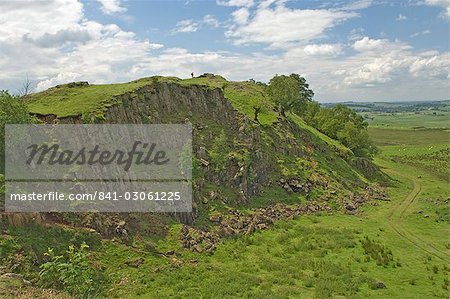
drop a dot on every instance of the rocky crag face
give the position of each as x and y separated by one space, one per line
238 161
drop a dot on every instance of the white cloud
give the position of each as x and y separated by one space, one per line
356 33
239 3
384 61
59 79
37 18
59 38
401 18
398 67
435 66
377 71
185 26
111 7
445 4
241 16
424 32
368 44
361 4
272 23
211 21
54 42
324 49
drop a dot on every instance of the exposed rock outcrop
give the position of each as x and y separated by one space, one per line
237 223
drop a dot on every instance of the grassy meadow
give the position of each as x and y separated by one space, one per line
424 119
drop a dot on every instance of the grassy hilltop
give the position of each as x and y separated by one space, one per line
286 213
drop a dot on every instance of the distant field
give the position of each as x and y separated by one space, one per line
414 114
396 136
409 120
426 149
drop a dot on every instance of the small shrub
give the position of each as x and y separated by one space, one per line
435 269
445 284
309 282
149 246
315 220
377 252
219 151
71 273
249 240
283 237
376 285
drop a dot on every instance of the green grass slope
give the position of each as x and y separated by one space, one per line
64 101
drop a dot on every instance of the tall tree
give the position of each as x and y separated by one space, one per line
290 93
344 124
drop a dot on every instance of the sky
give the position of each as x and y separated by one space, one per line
360 50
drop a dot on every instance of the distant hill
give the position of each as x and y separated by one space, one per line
395 107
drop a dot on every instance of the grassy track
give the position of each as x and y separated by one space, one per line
395 219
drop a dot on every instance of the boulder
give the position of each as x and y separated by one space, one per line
380 285
135 263
216 218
